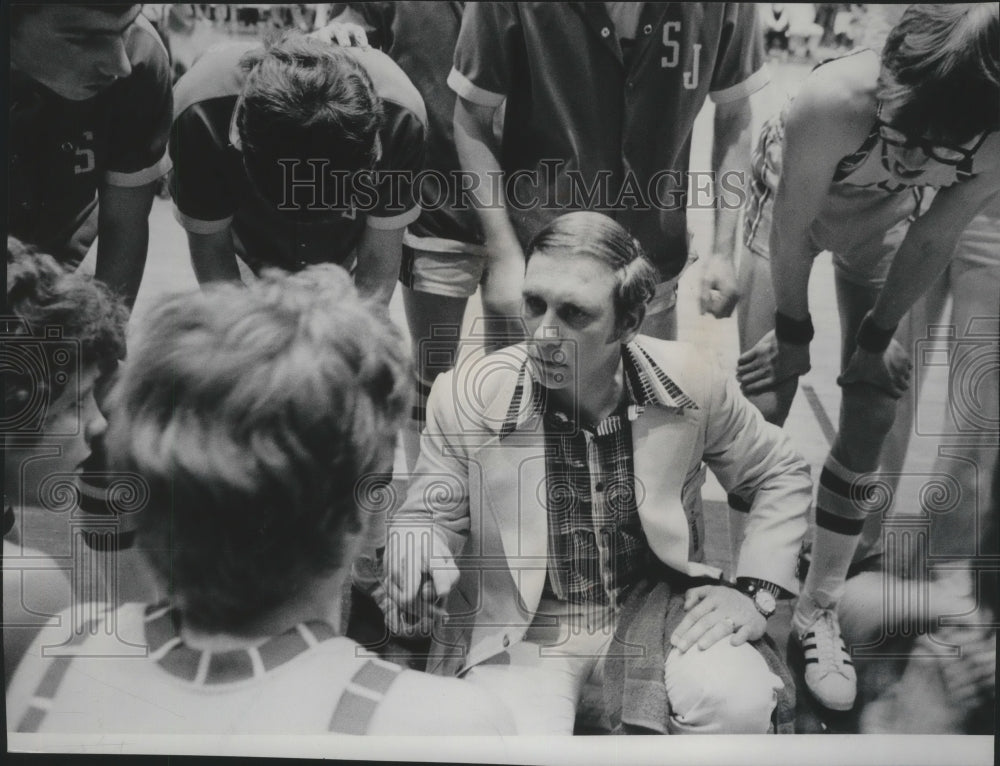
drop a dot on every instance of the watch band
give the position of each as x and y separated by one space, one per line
750 585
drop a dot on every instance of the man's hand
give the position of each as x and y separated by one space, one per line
888 371
719 292
714 612
416 579
503 280
770 362
344 33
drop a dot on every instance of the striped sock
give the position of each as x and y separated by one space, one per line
840 517
92 486
418 413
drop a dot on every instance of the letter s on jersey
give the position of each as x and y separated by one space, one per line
671 30
85 161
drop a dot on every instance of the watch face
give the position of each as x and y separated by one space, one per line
765 602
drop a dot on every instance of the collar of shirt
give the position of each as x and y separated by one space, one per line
646 385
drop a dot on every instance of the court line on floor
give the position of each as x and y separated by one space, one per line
825 424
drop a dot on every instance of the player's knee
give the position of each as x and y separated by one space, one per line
773 405
724 689
872 409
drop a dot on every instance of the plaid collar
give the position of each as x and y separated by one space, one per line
646 385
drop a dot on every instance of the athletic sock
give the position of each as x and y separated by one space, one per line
840 519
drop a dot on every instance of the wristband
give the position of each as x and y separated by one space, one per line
871 337
798 332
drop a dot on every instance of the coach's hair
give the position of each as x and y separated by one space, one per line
305 100
941 70
259 417
596 235
52 312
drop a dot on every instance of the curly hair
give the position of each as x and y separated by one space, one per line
305 101
50 310
941 70
255 414
600 237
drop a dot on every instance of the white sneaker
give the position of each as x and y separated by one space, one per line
829 671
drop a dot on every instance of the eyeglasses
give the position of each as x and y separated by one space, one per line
946 154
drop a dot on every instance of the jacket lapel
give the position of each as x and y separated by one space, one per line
663 440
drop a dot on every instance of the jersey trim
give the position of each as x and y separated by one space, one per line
442 245
389 223
751 85
197 226
140 177
468 90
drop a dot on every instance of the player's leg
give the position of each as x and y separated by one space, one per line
973 412
755 317
866 415
436 290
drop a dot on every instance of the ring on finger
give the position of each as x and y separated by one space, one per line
732 624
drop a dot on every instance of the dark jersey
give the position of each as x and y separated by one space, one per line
211 189
421 37
595 128
62 151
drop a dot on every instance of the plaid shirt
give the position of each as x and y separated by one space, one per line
597 547
596 544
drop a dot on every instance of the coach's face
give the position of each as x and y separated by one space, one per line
568 309
73 51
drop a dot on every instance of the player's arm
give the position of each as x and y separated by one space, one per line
730 154
488 53
923 255
123 236
930 243
825 123
478 150
142 105
378 256
213 256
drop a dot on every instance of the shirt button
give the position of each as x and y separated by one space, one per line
506 641
66 147
599 486
647 29
605 32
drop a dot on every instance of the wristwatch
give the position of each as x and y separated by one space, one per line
764 594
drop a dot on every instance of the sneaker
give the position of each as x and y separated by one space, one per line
829 671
